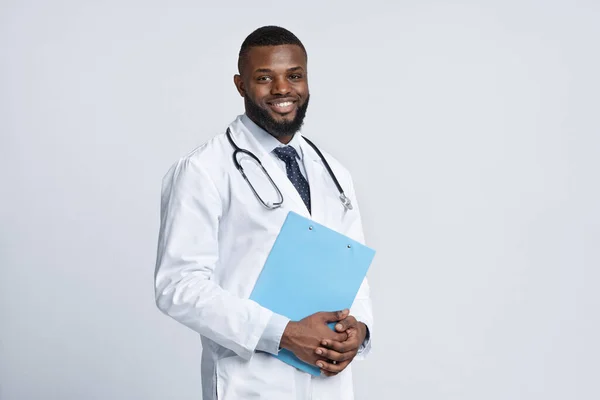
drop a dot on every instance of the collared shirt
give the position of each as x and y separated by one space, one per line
269 143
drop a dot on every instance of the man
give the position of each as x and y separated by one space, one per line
216 234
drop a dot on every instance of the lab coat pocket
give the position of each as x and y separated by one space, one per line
263 377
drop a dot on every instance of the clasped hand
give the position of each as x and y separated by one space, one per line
312 341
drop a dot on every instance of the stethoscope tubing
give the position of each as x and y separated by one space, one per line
343 198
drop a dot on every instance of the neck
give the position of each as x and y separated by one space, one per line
283 139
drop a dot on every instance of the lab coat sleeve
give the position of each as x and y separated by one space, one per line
271 338
191 208
362 307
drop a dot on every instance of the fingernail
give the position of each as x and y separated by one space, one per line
324 343
319 351
339 327
320 365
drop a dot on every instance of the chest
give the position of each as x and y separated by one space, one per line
251 197
248 228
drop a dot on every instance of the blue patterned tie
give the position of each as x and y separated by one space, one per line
288 155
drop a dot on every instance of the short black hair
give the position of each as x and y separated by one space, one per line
267 36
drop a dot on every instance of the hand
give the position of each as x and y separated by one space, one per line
342 353
303 337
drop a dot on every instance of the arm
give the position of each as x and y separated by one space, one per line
362 311
362 307
187 254
272 337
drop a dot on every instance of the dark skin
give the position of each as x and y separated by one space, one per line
275 78
275 74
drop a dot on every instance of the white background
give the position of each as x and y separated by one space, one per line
472 132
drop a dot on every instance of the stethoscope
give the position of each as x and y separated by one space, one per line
269 205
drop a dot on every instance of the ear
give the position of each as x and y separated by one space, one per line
239 85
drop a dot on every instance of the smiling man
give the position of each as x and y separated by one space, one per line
276 105
218 226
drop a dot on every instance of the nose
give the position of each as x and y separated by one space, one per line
281 86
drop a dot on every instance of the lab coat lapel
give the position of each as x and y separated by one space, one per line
291 198
316 181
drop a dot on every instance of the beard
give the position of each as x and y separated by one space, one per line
262 118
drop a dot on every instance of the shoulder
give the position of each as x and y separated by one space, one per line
202 161
208 153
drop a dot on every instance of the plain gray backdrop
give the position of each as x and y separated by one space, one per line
471 129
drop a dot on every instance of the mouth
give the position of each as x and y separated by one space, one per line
282 106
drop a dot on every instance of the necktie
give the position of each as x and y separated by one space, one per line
288 155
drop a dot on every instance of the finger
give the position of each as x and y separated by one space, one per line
348 322
334 316
342 346
334 355
338 337
330 368
328 374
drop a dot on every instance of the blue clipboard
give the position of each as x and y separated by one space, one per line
310 268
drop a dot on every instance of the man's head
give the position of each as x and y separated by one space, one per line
273 80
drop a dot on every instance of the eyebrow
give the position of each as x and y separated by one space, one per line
266 70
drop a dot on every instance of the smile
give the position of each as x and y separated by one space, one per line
283 104
282 107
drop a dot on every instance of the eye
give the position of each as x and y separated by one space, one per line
296 76
264 78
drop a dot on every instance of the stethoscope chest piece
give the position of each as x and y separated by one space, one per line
346 202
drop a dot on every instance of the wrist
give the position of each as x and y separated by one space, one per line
364 331
288 333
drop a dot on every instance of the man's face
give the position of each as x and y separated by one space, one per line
274 85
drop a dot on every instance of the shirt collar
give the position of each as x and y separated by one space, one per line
267 141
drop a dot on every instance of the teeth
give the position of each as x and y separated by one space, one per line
284 104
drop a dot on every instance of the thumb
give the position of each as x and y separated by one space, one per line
335 316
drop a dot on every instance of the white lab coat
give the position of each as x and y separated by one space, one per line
214 239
